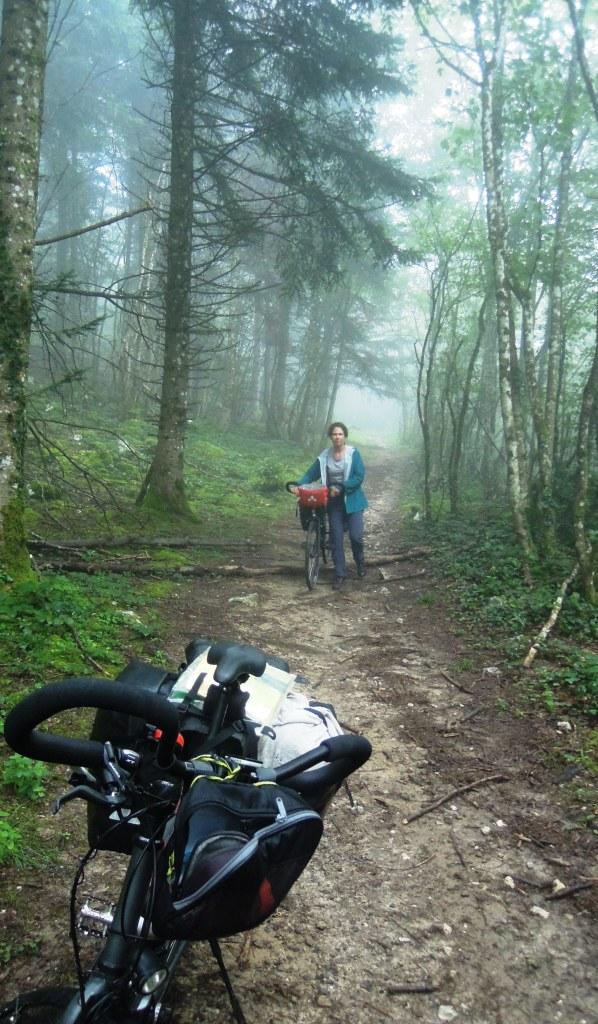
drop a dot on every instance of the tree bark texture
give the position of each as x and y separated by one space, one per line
588 413
164 485
22 67
492 151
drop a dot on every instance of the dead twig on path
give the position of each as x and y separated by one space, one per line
530 881
423 987
570 890
468 717
453 682
458 851
405 576
547 627
414 867
454 793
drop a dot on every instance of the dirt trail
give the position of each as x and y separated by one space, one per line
453 903
386 904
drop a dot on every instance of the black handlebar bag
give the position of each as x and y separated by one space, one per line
234 852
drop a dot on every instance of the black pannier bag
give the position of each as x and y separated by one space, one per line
234 852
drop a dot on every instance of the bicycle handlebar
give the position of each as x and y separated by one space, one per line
342 754
20 727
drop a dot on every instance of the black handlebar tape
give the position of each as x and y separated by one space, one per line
235 660
20 732
344 754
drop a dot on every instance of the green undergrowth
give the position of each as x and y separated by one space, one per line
481 566
234 482
79 624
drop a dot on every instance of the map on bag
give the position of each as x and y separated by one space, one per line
266 692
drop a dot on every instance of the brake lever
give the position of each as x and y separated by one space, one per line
93 796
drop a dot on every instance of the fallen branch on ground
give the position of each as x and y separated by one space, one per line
570 890
39 544
405 576
115 566
455 792
424 987
453 682
547 627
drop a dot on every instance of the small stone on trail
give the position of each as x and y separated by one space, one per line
564 726
486 830
509 881
491 670
540 912
446 1012
250 600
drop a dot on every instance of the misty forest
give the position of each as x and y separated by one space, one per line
225 224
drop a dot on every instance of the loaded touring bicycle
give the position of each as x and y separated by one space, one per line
180 774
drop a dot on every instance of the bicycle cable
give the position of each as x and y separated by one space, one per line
79 877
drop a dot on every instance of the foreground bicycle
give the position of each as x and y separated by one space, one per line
312 501
206 860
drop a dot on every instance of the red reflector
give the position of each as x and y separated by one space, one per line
266 899
157 735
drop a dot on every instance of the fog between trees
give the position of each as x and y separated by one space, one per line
240 211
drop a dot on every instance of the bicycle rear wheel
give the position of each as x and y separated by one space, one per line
312 553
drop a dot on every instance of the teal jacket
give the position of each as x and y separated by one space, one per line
355 499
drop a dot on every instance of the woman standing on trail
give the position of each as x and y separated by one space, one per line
341 468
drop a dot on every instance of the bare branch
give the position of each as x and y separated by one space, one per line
93 227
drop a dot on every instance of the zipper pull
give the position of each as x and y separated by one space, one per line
282 811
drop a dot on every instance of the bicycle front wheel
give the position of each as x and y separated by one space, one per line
42 1006
312 553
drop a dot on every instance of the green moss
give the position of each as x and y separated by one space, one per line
14 554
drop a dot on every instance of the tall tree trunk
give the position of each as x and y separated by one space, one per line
278 329
459 418
164 485
492 152
22 67
588 413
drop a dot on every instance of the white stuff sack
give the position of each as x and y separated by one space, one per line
300 725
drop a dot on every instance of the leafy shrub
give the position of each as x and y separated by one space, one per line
270 477
26 777
11 841
577 680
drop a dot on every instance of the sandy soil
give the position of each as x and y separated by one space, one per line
447 917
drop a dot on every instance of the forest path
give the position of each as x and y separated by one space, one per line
454 902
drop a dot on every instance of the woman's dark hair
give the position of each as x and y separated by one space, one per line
333 426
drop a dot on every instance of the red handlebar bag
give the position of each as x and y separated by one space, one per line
312 496
234 852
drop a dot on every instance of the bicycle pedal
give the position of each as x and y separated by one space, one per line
95 918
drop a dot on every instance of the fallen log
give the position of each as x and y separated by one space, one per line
554 614
39 544
121 565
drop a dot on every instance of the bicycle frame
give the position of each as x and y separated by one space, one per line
128 961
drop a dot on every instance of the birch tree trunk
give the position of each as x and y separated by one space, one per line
492 151
22 67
